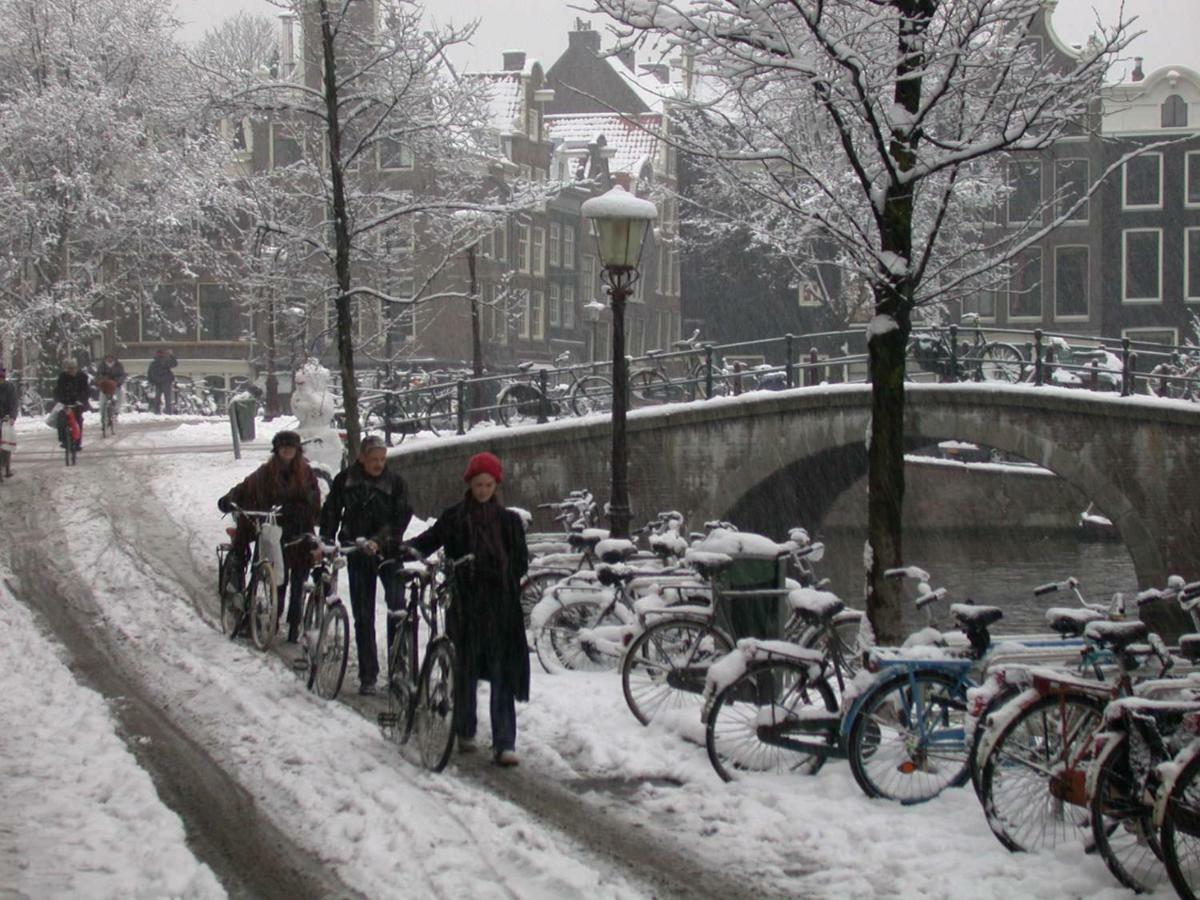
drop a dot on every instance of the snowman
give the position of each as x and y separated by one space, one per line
313 406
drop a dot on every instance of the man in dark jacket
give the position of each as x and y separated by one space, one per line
71 389
10 405
367 501
162 379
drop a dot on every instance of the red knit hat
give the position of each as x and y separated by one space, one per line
481 463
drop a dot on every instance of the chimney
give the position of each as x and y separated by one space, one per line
514 60
661 71
627 57
287 46
1138 74
583 37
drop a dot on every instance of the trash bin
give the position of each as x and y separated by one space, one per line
242 410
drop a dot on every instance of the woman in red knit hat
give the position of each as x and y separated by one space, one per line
485 620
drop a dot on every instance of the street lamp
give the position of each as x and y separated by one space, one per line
621 221
591 312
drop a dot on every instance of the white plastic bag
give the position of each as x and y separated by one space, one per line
8 436
271 539
52 416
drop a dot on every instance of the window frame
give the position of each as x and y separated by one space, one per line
1188 158
1041 284
537 315
568 306
537 251
403 167
1038 201
1163 111
1125 266
1125 169
554 305
1087 284
568 249
523 239
523 301
1083 214
554 246
1188 233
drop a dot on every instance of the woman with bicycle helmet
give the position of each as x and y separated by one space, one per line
485 620
285 480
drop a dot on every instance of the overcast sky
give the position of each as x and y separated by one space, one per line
540 26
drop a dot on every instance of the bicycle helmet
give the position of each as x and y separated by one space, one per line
285 439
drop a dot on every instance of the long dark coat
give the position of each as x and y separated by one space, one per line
301 502
481 601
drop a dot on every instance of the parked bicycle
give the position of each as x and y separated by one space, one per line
255 605
521 400
420 689
977 359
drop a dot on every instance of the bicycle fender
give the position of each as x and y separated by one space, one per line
1170 772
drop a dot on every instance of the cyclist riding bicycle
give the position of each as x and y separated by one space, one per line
110 379
71 389
287 481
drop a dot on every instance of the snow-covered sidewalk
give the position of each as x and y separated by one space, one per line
79 816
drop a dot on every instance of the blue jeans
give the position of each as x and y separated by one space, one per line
503 708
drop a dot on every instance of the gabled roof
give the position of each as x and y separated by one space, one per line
634 139
506 93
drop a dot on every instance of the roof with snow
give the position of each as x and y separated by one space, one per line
633 138
506 99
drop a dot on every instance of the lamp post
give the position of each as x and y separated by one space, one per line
591 312
621 221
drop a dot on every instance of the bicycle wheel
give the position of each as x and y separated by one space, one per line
558 643
752 725
264 611
1031 782
1000 362
974 762
518 403
907 742
402 685
591 394
843 634
331 654
663 670
534 588
434 716
1180 834
233 601
1123 820
652 386
442 415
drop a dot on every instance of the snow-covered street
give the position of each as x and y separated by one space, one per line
600 807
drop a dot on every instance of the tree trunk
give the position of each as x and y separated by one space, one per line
341 231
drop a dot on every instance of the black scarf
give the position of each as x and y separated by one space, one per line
487 538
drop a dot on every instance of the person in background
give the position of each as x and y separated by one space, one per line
110 379
485 620
162 379
288 481
10 406
369 501
72 388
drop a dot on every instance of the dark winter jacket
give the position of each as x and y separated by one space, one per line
10 403
366 507
160 373
485 614
116 372
301 504
72 389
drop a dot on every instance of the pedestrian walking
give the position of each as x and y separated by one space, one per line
162 379
367 500
10 406
285 480
484 620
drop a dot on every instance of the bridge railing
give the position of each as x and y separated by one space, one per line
537 393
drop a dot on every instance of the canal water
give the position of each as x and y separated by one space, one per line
996 567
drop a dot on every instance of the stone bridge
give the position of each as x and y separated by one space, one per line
1137 458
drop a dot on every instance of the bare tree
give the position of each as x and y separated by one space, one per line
243 43
877 126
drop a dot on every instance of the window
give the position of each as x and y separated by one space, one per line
1143 182
1141 265
523 248
1025 287
1192 179
523 314
501 238
1151 335
555 244
1025 191
555 312
1191 264
1071 182
285 149
662 276
171 313
983 304
1070 282
402 318
568 248
394 155
531 124
218 320
539 251
1174 112
636 338
591 278
675 287
537 317
568 304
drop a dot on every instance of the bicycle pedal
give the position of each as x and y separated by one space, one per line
300 665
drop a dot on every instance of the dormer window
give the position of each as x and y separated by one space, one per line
1174 112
